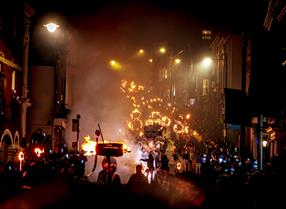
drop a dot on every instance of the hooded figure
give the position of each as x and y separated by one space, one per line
107 175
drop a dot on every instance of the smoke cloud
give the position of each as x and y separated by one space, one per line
95 95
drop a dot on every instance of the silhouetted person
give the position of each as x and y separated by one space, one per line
164 162
150 165
107 175
198 164
137 179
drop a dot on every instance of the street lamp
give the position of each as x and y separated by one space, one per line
115 65
177 61
52 27
60 53
141 51
162 50
207 62
59 40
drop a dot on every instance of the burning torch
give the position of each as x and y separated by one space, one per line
21 158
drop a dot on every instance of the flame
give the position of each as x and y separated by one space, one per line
149 122
21 156
129 124
88 146
38 151
145 111
166 121
126 149
135 114
179 166
188 116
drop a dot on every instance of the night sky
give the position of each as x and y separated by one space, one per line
166 20
122 27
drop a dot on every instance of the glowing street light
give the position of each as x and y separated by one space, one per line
51 27
112 62
141 51
162 50
115 65
264 143
177 61
207 62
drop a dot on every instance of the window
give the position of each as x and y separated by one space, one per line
206 34
214 86
205 87
165 74
13 80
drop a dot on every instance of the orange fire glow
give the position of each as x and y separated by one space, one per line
88 146
38 151
21 156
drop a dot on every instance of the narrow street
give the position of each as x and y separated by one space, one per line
177 193
142 104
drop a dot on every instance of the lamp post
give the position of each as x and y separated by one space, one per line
28 13
60 39
61 51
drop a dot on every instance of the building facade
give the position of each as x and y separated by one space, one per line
14 20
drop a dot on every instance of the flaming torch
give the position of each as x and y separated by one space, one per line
21 158
89 146
126 149
38 151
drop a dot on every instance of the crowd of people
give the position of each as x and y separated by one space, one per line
35 169
217 167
